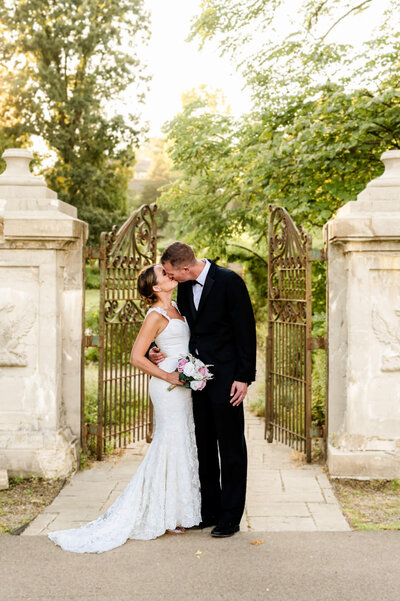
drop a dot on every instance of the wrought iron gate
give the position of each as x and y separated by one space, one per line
124 411
289 341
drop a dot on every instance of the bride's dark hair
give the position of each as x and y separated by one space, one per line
146 280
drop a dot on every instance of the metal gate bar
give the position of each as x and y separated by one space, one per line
288 356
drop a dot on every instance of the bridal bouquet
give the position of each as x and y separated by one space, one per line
193 372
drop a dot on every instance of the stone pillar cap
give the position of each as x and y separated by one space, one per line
22 152
21 191
17 172
376 213
391 176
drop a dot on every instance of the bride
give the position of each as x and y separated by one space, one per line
164 494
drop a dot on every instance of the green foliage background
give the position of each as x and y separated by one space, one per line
323 113
61 63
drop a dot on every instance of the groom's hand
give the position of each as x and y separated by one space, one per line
156 356
238 392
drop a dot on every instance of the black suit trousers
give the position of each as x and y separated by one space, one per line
222 454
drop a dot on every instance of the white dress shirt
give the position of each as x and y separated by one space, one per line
198 288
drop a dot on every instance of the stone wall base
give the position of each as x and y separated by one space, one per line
367 465
47 454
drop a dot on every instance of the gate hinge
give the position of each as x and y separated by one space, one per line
91 341
93 429
316 343
92 252
317 254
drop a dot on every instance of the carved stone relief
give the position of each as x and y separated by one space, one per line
388 333
15 324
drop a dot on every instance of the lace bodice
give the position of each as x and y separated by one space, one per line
174 339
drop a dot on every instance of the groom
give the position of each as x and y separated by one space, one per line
217 307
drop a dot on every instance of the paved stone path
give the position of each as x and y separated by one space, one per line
284 493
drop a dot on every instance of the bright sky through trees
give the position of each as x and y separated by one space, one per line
177 66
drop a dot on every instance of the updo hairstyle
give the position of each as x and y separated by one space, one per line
146 280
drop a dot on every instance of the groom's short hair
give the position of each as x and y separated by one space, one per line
178 254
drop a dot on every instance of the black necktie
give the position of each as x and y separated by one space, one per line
193 282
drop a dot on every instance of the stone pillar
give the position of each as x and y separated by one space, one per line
41 294
363 243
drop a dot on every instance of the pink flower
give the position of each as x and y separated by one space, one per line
181 364
203 371
197 385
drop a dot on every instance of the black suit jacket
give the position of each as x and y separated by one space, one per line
222 330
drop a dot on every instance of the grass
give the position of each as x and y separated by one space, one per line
318 392
24 500
92 298
91 379
369 504
92 274
257 405
257 390
92 321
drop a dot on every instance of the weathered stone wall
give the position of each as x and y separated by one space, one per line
364 330
41 288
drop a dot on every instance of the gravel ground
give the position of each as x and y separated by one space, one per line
369 504
24 500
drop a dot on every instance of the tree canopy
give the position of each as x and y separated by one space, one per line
310 144
323 112
66 64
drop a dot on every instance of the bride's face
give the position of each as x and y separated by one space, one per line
165 283
180 274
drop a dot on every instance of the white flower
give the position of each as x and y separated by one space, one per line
195 385
189 370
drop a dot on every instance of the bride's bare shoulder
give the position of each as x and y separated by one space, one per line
153 316
153 324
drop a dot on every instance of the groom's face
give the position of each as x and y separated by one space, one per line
180 274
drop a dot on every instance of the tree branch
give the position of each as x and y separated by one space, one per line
343 17
250 251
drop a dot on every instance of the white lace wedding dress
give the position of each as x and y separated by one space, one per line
165 491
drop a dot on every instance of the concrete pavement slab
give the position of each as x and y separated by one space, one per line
323 480
328 517
272 497
289 523
278 509
113 497
329 496
42 522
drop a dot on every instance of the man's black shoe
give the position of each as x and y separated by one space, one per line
205 524
224 530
